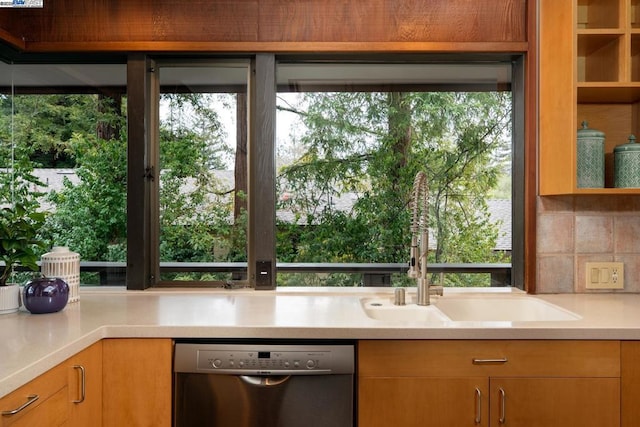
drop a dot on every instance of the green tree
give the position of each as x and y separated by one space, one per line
44 125
84 132
90 216
195 206
81 131
370 146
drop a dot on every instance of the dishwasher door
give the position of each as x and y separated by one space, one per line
238 401
263 386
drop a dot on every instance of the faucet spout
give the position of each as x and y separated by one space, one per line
420 237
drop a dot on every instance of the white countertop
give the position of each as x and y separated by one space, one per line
32 344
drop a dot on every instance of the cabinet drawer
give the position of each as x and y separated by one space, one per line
51 412
444 358
51 407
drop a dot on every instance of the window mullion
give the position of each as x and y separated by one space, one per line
142 153
261 251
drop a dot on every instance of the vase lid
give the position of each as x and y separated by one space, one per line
58 251
585 132
629 146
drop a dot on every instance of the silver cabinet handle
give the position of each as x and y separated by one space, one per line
502 406
476 361
83 383
478 419
30 399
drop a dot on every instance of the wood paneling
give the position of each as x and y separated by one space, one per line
83 25
329 21
456 20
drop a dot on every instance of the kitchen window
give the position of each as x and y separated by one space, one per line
352 135
196 217
202 172
275 220
63 140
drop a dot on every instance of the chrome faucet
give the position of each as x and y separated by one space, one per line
420 237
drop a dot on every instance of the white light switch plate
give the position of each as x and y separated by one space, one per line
605 275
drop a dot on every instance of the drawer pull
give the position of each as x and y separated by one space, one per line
489 361
503 410
30 399
83 384
478 418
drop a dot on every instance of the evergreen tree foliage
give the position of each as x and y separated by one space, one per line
365 146
369 146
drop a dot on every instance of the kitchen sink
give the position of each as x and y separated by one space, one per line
384 309
469 308
496 308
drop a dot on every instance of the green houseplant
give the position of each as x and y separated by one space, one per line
21 220
19 243
19 236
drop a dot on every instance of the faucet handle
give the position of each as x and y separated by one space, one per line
399 296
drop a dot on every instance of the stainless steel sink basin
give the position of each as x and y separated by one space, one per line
496 308
384 309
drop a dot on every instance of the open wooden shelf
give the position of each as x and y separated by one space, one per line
594 78
634 14
600 56
598 14
613 92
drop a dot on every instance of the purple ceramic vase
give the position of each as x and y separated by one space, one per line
45 295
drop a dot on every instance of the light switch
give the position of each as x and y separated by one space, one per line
604 275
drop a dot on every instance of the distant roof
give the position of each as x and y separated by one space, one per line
499 209
500 212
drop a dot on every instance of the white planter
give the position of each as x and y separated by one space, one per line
9 299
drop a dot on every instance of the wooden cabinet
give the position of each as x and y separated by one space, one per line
42 402
488 383
555 402
589 70
423 401
68 394
114 382
630 372
137 379
85 387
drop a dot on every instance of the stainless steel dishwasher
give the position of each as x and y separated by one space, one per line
264 384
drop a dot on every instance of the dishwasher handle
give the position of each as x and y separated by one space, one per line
265 380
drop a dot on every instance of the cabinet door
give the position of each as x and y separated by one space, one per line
51 412
85 387
423 401
557 119
42 402
555 402
137 375
630 359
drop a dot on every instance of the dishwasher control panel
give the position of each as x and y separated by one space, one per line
247 359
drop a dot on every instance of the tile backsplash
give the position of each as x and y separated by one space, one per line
573 230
